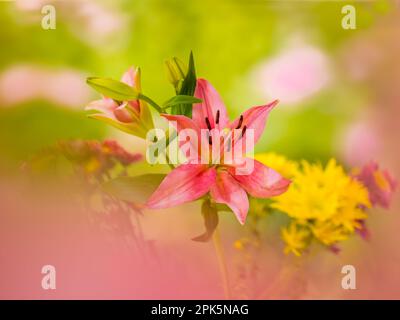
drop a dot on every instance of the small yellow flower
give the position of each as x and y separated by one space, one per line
381 181
92 165
239 245
245 243
296 237
328 233
279 163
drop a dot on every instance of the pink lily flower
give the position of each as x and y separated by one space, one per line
133 117
380 184
222 181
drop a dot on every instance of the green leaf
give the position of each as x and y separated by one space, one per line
210 215
187 89
135 189
113 89
180 99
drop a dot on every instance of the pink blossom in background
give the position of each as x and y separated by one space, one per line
363 59
92 20
30 5
294 75
381 184
360 143
23 83
100 21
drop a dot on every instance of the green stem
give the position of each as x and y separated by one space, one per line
167 142
168 161
222 263
151 102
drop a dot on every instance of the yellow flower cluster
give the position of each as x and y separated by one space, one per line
324 204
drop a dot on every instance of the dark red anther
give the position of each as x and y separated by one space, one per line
240 122
243 131
217 118
208 123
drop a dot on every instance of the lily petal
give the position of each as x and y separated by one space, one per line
130 77
185 183
123 114
106 106
134 128
118 117
182 122
211 107
254 119
227 190
262 181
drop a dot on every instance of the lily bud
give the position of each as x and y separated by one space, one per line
176 72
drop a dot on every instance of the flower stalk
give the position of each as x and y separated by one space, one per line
222 263
151 102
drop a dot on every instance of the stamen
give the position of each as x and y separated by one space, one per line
208 123
240 122
229 144
209 139
243 131
217 118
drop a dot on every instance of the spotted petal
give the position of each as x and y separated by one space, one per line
211 108
253 119
260 181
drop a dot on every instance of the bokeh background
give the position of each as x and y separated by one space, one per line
340 97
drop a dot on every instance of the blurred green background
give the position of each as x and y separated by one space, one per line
239 46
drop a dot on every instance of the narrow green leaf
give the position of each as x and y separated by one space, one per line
187 89
180 99
135 189
210 215
113 89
